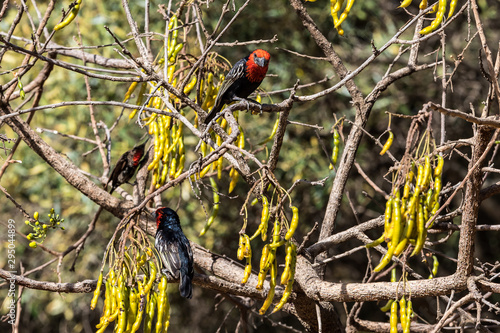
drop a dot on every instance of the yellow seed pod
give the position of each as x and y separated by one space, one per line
241 248
258 98
387 306
345 13
437 21
439 167
152 277
284 298
272 285
388 143
394 317
262 229
97 292
234 181
70 17
405 3
293 224
336 144
266 257
190 85
453 5
248 271
290 261
130 90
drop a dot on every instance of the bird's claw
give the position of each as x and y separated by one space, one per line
248 105
168 274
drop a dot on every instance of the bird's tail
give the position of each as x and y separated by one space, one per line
186 285
107 184
216 109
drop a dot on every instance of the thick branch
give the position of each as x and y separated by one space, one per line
320 290
362 113
490 191
343 236
85 286
472 201
378 327
491 121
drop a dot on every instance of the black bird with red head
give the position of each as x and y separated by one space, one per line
242 80
126 167
174 250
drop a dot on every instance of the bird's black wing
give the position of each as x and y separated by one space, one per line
113 179
237 72
187 272
169 254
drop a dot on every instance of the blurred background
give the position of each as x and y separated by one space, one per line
38 188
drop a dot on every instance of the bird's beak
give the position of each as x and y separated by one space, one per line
261 61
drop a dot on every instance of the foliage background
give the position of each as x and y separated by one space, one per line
38 187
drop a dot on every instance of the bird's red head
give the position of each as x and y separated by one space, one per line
138 153
166 215
137 156
159 217
257 64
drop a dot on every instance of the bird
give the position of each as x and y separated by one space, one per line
126 166
242 80
174 250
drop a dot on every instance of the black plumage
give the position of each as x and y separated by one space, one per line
174 250
242 80
126 167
